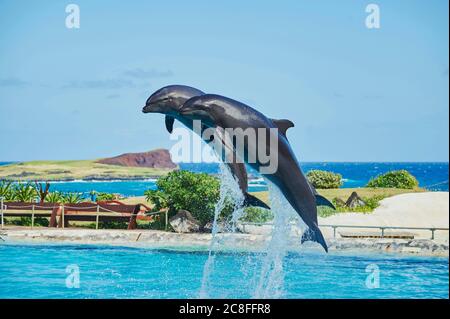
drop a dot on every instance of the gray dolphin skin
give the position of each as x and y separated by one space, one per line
219 111
168 100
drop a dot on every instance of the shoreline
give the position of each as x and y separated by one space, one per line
229 241
87 180
72 170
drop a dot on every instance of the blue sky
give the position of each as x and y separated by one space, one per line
355 94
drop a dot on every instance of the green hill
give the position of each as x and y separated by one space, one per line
74 170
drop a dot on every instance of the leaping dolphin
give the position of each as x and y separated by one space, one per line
168 100
221 113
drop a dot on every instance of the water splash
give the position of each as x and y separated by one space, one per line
230 194
270 283
267 273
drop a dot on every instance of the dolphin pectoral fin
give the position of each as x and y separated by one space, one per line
313 189
251 200
314 234
169 123
283 125
322 201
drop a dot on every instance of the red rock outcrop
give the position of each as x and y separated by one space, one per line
159 158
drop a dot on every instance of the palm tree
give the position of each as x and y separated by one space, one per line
72 198
42 192
24 192
6 190
54 197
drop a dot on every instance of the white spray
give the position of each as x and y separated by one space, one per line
230 194
268 282
271 277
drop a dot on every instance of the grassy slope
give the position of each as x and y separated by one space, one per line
64 170
136 200
344 193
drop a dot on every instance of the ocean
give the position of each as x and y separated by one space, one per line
433 176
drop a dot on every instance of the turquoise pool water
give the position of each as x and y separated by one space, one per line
39 271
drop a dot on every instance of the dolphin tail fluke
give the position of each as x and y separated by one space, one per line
322 201
251 200
314 234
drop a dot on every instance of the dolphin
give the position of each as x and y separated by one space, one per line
168 100
220 112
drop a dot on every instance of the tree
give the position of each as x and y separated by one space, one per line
42 192
196 192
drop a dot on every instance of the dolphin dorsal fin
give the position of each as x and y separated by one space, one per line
169 123
283 125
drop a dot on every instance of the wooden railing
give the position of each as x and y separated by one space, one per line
103 211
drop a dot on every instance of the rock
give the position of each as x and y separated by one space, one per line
421 243
221 227
184 222
207 228
411 250
354 201
156 159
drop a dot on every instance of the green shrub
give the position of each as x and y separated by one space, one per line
196 192
113 225
72 198
104 225
158 222
325 211
26 221
324 179
54 197
6 190
24 192
371 203
394 179
105 196
257 215
64 198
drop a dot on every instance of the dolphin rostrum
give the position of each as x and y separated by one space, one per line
223 113
168 100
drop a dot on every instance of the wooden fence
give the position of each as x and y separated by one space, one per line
61 214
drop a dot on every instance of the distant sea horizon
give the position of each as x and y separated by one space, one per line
433 176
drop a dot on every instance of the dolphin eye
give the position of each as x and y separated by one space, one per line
163 100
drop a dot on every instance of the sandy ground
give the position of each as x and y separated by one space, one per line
425 210
429 209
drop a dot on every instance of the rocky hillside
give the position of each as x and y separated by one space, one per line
131 166
159 158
